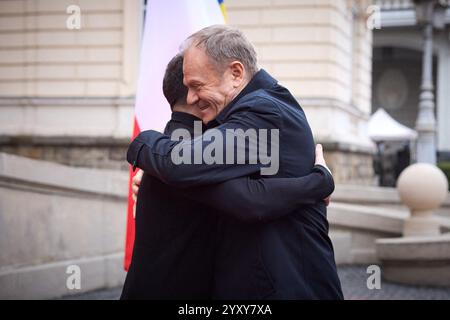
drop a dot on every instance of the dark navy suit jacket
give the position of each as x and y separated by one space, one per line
176 229
287 258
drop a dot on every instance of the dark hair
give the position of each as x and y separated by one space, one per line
173 87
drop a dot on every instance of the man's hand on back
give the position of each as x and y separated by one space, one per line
135 183
321 160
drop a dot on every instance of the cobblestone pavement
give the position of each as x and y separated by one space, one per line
353 279
354 285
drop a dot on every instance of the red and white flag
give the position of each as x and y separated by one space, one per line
167 24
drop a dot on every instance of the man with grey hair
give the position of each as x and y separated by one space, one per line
220 45
288 258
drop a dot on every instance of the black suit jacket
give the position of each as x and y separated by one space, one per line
174 245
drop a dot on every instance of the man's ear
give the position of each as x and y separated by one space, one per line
237 73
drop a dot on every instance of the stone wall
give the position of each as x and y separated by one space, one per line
350 167
81 152
41 57
53 216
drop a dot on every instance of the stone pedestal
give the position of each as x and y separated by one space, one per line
416 260
424 225
422 255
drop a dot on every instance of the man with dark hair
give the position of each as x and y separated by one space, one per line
173 87
174 247
175 244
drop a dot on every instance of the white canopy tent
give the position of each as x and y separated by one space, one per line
382 127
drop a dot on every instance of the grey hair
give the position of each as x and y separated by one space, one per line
224 44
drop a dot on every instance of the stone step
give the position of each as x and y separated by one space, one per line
377 196
355 228
342 244
416 260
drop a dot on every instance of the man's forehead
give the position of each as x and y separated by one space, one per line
196 65
189 73
192 57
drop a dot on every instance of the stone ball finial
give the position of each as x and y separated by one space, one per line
422 187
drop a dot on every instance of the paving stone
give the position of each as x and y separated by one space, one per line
354 285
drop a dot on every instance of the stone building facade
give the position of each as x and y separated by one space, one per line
67 95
